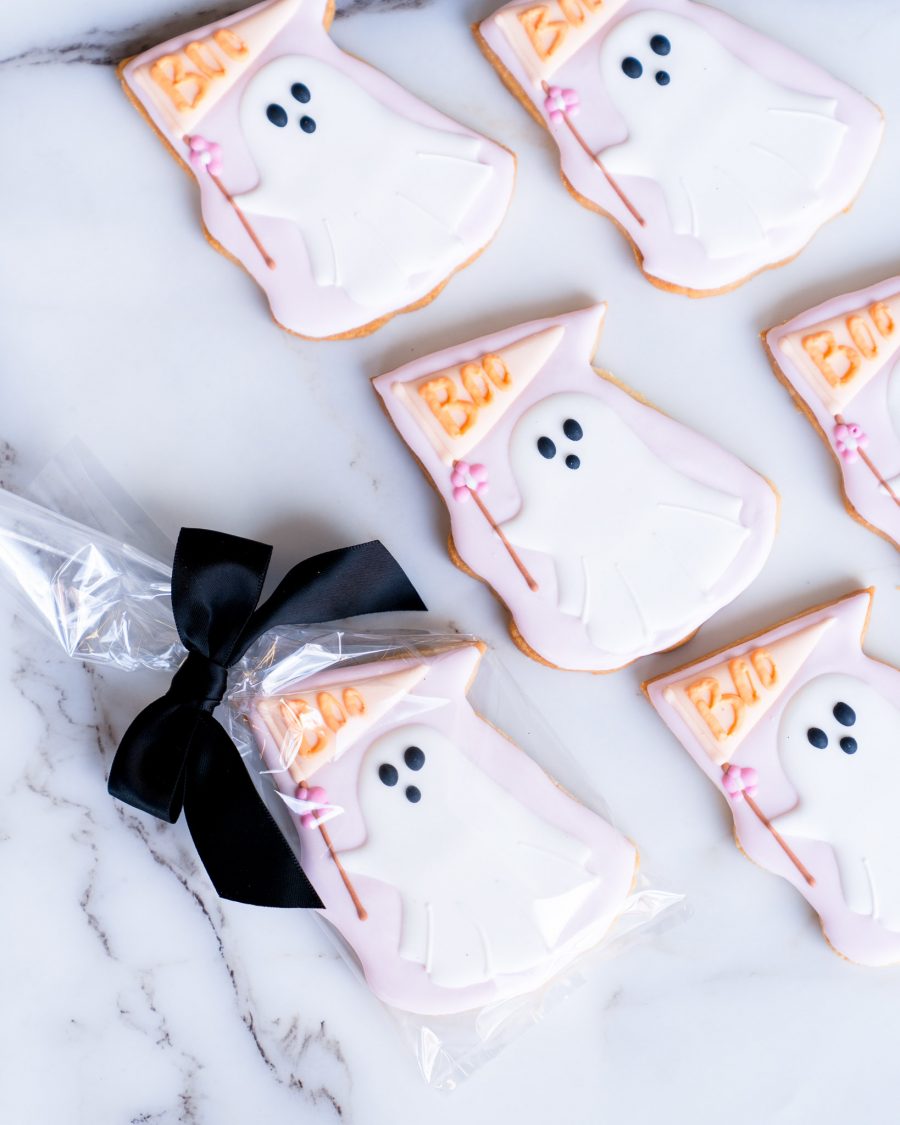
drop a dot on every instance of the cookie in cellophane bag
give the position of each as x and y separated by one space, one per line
462 878
359 782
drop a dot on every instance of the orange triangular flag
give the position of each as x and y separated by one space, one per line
546 35
184 84
840 356
723 703
311 728
458 406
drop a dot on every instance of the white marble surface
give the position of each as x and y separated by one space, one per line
129 993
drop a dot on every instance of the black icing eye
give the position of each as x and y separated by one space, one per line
632 67
848 745
817 738
573 462
573 430
277 115
300 93
546 448
660 45
413 795
844 714
307 124
388 773
663 78
414 757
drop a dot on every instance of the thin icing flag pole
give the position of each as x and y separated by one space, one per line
208 154
318 797
851 441
560 105
469 480
740 785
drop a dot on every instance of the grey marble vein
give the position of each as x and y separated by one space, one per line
7 463
104 47
300 1055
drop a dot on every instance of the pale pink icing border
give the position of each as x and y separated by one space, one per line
375 942
297 303
558 639
674 260
839 649
868 409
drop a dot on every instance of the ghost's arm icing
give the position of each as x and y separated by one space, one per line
365 860
630 159
571 585
797 823
263 201
622 159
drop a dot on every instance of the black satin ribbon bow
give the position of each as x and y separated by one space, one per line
175 755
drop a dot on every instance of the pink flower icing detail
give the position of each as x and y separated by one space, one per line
317 798
738 780
560 102
849 439
205 154
467 478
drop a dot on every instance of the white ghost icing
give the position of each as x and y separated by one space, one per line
637 546
735 155
487 887
377 197
847 800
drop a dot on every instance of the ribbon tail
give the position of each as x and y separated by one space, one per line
148 769
243 850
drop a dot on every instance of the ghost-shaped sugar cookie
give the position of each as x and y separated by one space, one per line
344 197
841 363
800 730
458 872
717 151
608 530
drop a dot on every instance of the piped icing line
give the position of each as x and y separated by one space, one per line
208 154
308 820
561 108
470 480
